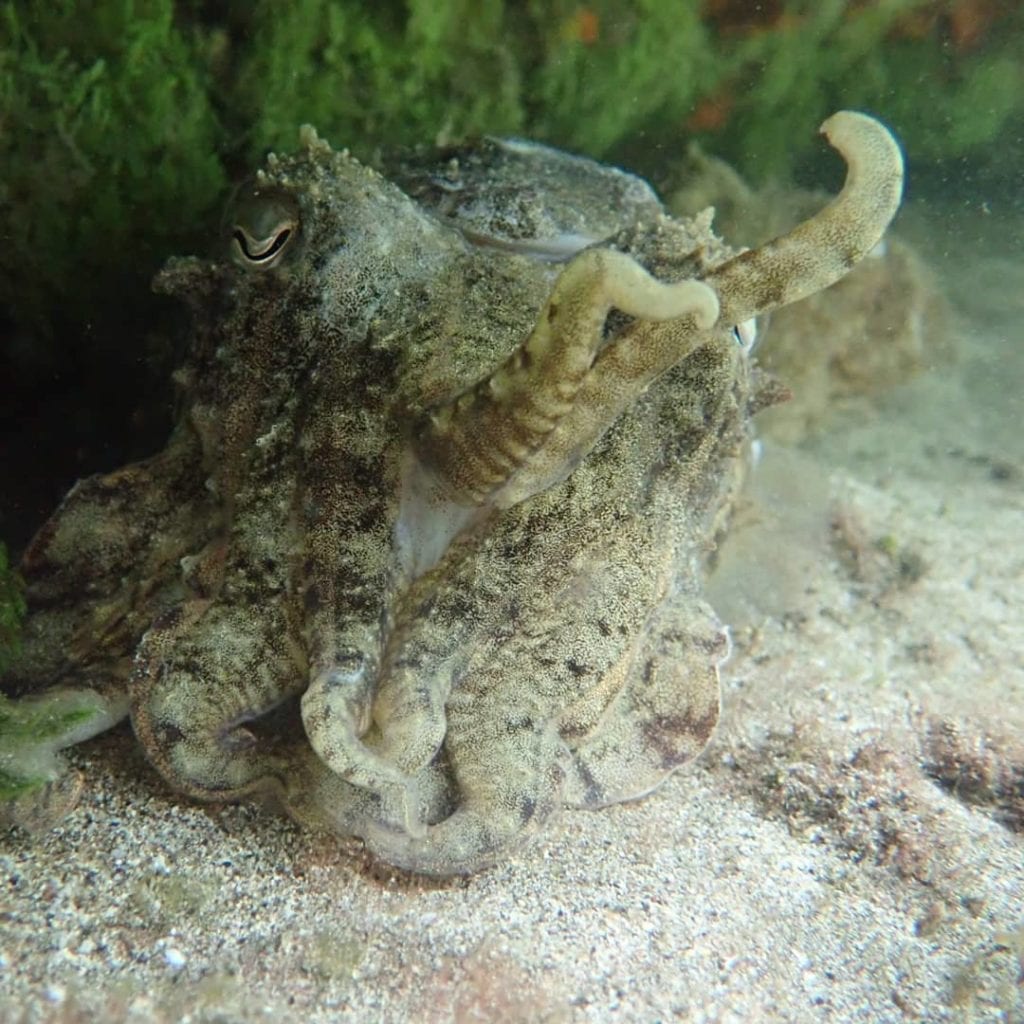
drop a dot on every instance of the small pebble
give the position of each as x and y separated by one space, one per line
175 958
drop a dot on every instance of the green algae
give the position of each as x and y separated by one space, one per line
109 148
34 786
370 75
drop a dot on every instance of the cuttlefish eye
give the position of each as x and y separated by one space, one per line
745 334
266 226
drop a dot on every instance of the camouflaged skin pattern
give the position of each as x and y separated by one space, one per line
422 557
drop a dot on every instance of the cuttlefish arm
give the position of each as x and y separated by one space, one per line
818 252
522 428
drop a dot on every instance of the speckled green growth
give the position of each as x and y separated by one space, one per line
941 103
110 155
32 730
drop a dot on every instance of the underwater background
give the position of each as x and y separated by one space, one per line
867 783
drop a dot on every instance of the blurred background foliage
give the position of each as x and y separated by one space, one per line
124 123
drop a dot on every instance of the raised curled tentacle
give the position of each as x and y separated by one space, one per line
482 439
812 256
818 252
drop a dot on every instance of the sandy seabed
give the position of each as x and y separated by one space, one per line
849 848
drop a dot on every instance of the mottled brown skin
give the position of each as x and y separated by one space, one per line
448 473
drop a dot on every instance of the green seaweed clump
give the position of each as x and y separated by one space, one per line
35 788
388 74
946 76
109 149
583 77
